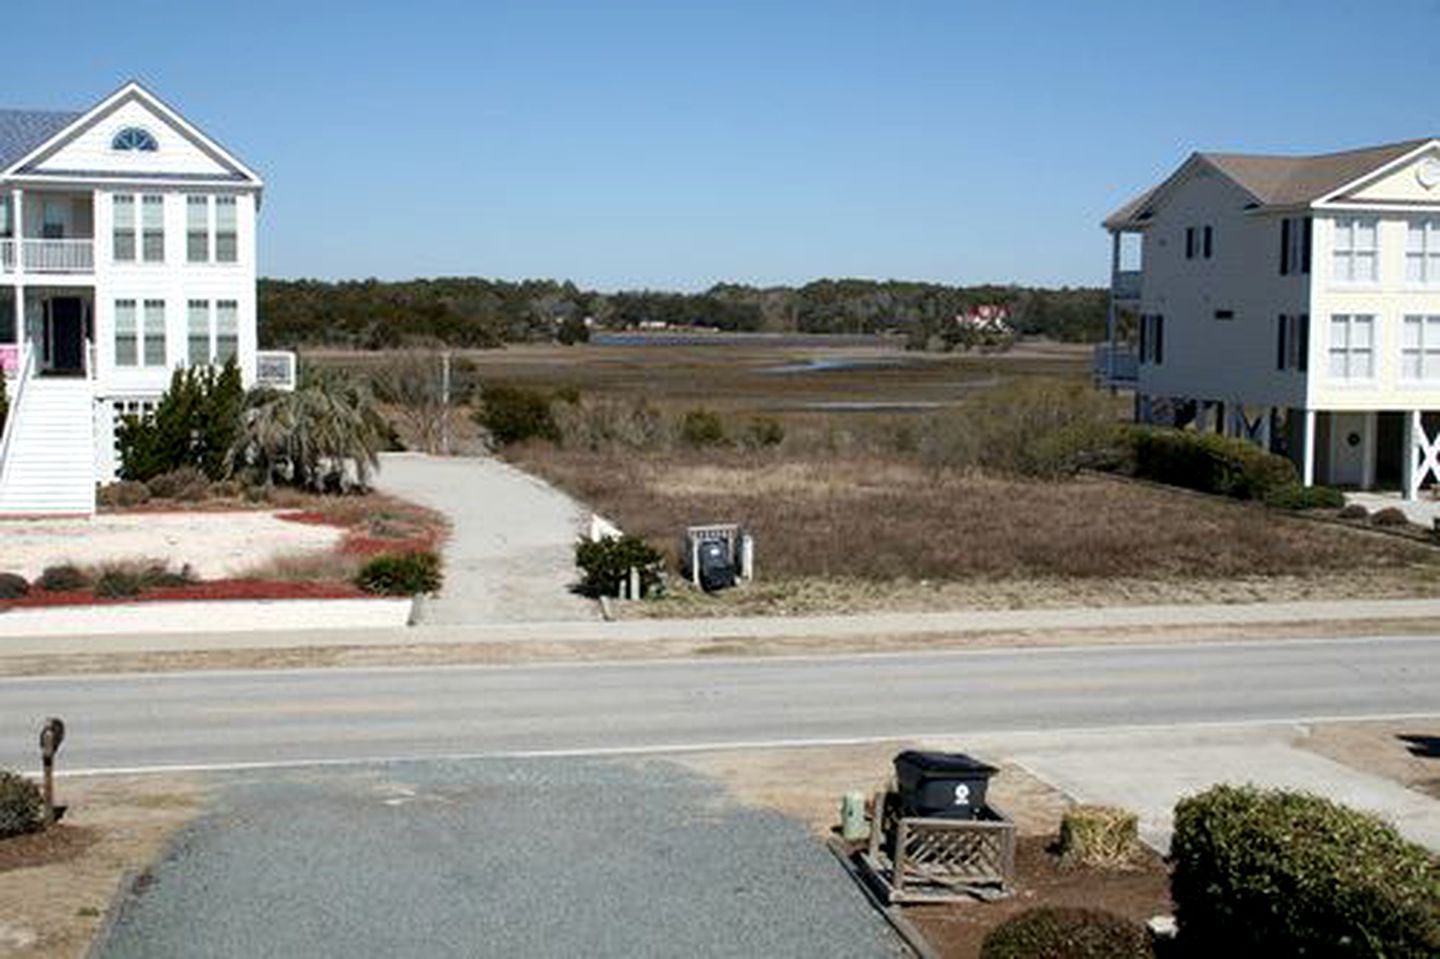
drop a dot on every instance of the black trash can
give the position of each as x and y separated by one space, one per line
941 785
717 570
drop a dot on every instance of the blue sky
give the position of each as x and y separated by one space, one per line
674 145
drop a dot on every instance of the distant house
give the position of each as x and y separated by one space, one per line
127 250
1292 300
987 318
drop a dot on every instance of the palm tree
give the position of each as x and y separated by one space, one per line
310 437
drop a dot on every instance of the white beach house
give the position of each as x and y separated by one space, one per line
127 249
1293 300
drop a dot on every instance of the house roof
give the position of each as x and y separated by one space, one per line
23 130
1279 181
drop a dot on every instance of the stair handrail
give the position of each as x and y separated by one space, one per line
89 359
26 369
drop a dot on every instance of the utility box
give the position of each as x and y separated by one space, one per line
717 556
937 785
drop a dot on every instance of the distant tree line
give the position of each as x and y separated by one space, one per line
473 312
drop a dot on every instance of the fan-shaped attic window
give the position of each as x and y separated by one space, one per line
134 138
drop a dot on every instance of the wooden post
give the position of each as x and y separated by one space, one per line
445 402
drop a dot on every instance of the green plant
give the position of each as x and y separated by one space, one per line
187 484
763 431
606 564
1209 463
1098 836
194 425
1299 497
702 428
514 414
400 574
1270 872
62 578
123 493
1390 516
22 808
1048 932
13 586
572 330
120 580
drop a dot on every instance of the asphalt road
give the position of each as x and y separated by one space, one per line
222 719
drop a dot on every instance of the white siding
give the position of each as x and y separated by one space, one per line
91 150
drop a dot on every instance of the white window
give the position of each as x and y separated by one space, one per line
152 212
1356 250
154 333
197 229
1422 252
1420 348
1352 346
122 206
198 335
226 240
227 331
126 340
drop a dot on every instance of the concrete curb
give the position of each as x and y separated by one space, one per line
217 616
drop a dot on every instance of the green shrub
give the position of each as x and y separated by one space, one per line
1209 462
121 580
186 484
123 493
63 578
701 428
763 431
514 414
1299 497
22 808
1390 516
1269 872
13 586
607 564
400 574
119 584
1049 932
195 424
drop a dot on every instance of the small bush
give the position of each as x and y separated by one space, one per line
125 579
13 586
1390 516
123 493
514 414
1354 511
186 484
1209 463
400 574
702 428
1270 872
63 578
762 432
1067 933
1299 497
1098 836
607 563
22 808
119 584
603 424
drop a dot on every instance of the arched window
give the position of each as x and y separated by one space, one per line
134 138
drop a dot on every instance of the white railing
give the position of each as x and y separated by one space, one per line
1115 363
275 369
7 256
89 359
58 256
1125 284
24 371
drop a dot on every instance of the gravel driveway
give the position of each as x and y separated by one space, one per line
511 551
494 858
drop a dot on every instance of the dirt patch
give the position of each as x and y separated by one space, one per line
55 887
1405 751
1138 893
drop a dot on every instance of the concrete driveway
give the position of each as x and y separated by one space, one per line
510 556
496 858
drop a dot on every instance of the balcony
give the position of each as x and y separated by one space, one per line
1125 286
48 256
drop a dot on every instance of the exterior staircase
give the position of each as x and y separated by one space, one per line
47 451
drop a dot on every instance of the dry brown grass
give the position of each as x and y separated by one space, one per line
305 567
882 520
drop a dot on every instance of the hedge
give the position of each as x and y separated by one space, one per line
1049 932
607 563
22 807
1270 872
401 574
1299 497
1209 462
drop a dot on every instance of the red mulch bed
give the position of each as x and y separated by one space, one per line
359 541
212 589
309 517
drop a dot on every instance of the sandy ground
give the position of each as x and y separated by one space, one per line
214 545
113 827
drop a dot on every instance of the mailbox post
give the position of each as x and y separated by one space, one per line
51 736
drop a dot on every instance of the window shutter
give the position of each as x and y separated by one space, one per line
1304 343
1280 343
1305 250
1208 236
1189 243
1144 328
1159 340
1285 246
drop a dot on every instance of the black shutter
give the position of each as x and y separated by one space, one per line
1208 233
1189 243
1304 342
1305 252
1159 339
1280 343
1144 323
1285 247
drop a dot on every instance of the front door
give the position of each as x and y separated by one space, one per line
67 334
1350 446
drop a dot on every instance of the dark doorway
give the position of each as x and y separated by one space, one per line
67 335
1389 450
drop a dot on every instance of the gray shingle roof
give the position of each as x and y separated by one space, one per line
23 130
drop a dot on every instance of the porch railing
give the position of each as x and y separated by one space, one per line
1115 364
58 256
22 377
1125 284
